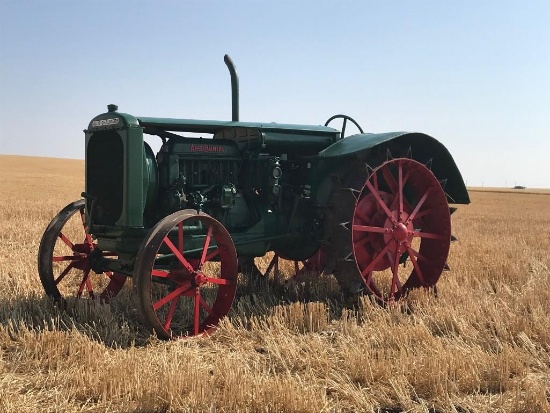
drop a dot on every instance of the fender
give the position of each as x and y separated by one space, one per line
374 148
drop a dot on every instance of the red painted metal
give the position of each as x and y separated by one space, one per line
401 213
316 263
195 291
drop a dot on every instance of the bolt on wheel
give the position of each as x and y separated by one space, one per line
186 275
64 260
401 215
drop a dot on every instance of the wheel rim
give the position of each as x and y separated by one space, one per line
186 292
64 260
401 215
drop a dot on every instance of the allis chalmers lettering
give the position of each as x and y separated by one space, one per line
207 148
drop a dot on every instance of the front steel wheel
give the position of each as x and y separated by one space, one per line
64 260
186 275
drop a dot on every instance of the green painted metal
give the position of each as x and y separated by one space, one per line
130 183
214 126
422 147
358 143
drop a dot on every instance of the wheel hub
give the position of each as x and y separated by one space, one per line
79 249
400 232
200 279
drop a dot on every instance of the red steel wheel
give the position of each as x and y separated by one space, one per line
401 214
315 263
63 259
186 275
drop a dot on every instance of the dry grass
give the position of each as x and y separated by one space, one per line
483 345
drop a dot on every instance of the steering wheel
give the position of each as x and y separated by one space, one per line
346 118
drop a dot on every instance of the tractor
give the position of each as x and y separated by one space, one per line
373 209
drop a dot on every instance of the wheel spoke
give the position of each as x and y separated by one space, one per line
376 259
428 235
90 288
220 281
171 312
380 201
177 292
212 255
390 180
178 255
197 311
206 245
64 273
83 283
419 205
395 283
367 228
394 187
67 258
206 307
159 273
423 213
368 279
66 240
362 242
413 254
419 256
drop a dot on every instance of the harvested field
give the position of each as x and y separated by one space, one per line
482 345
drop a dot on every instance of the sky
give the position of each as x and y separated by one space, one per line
475 75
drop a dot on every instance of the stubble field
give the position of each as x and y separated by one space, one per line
482 345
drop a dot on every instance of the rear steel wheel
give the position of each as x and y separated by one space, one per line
401 214
63 259
186 275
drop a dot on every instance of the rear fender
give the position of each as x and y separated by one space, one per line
374 148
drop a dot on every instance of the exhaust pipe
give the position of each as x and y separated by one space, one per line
234 88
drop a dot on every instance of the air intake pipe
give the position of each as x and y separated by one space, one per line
234 88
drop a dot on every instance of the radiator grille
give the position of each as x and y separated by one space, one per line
104 177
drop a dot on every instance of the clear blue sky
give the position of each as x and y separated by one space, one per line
473 74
